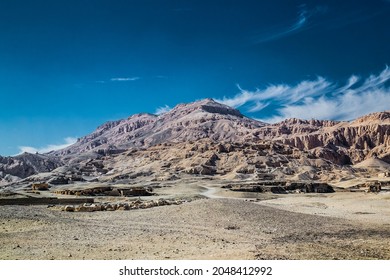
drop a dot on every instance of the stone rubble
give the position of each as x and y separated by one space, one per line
113 206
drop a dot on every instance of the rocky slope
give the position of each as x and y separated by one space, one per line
208 138
24 165
185 122
339 142
232 161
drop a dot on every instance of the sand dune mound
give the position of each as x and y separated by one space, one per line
373 163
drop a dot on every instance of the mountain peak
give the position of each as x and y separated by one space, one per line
204 118
209 119
377 117
206 101
207 105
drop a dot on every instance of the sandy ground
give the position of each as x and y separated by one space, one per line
366 208
331 226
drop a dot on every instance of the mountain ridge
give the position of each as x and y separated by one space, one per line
185 122
336 142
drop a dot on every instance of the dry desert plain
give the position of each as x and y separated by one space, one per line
239 189
211 223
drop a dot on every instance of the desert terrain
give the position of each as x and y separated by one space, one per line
202 181
213 224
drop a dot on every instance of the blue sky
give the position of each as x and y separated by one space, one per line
68 66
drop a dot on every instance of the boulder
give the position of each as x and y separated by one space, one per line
69 208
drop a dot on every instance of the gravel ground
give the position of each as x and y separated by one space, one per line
366 208
202 229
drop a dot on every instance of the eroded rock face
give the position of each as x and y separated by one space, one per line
185 122
212 139
264 160
26 164
339 142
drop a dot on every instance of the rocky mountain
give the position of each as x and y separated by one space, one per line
185 122
339 142
24 165
264 160
208 138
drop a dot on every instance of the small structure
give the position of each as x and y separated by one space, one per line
310 187
282 187
375 186
319 188
141 191
109 191
384 174
265 176
40 187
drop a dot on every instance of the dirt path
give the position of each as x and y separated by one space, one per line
211 192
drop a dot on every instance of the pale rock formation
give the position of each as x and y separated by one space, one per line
205 138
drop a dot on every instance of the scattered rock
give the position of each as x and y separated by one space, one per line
113 206
69 208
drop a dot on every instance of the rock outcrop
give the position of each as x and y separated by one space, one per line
205 138
185 122
338 142
26 164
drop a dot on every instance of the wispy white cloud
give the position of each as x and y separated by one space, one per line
258 106
319 98
162 110
127 79
302 19
301 23
51 147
